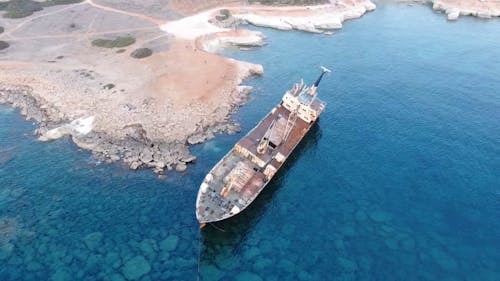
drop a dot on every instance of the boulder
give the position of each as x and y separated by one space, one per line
146 155
180 167
370 6
135 165
453 14
188 159
197 138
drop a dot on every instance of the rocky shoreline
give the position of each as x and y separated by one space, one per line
134 147
454 9
147 113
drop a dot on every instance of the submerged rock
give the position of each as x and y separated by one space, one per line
113 259
61 275
392 244
445 261
262 263
34 266
93 240
148 247
247 276
5 250
347 264
210 272
380 216
251 253
169 244
116 277
360 216
136 267
408 244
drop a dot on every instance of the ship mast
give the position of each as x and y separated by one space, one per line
312 91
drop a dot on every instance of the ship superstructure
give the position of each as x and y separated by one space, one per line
236 180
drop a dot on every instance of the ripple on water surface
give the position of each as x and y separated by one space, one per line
398 181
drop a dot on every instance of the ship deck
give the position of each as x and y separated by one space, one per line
247 178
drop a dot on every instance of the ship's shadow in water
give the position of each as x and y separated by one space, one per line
226 236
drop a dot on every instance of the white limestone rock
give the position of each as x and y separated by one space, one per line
453 14
79 127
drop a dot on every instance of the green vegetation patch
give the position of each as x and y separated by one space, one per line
3 45
59 2
118 42
23 8
141 53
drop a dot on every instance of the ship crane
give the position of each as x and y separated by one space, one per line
264 142
292 118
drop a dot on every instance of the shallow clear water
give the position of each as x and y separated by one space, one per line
400 180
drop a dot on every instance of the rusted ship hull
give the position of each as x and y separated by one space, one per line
236 180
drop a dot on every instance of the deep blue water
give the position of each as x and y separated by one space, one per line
400 180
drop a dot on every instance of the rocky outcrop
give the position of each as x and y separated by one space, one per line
238 38
80 126
131 144
314 19
455 9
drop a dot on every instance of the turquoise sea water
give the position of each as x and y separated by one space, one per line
400 180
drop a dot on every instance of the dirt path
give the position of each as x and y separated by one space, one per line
9 32
131 14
